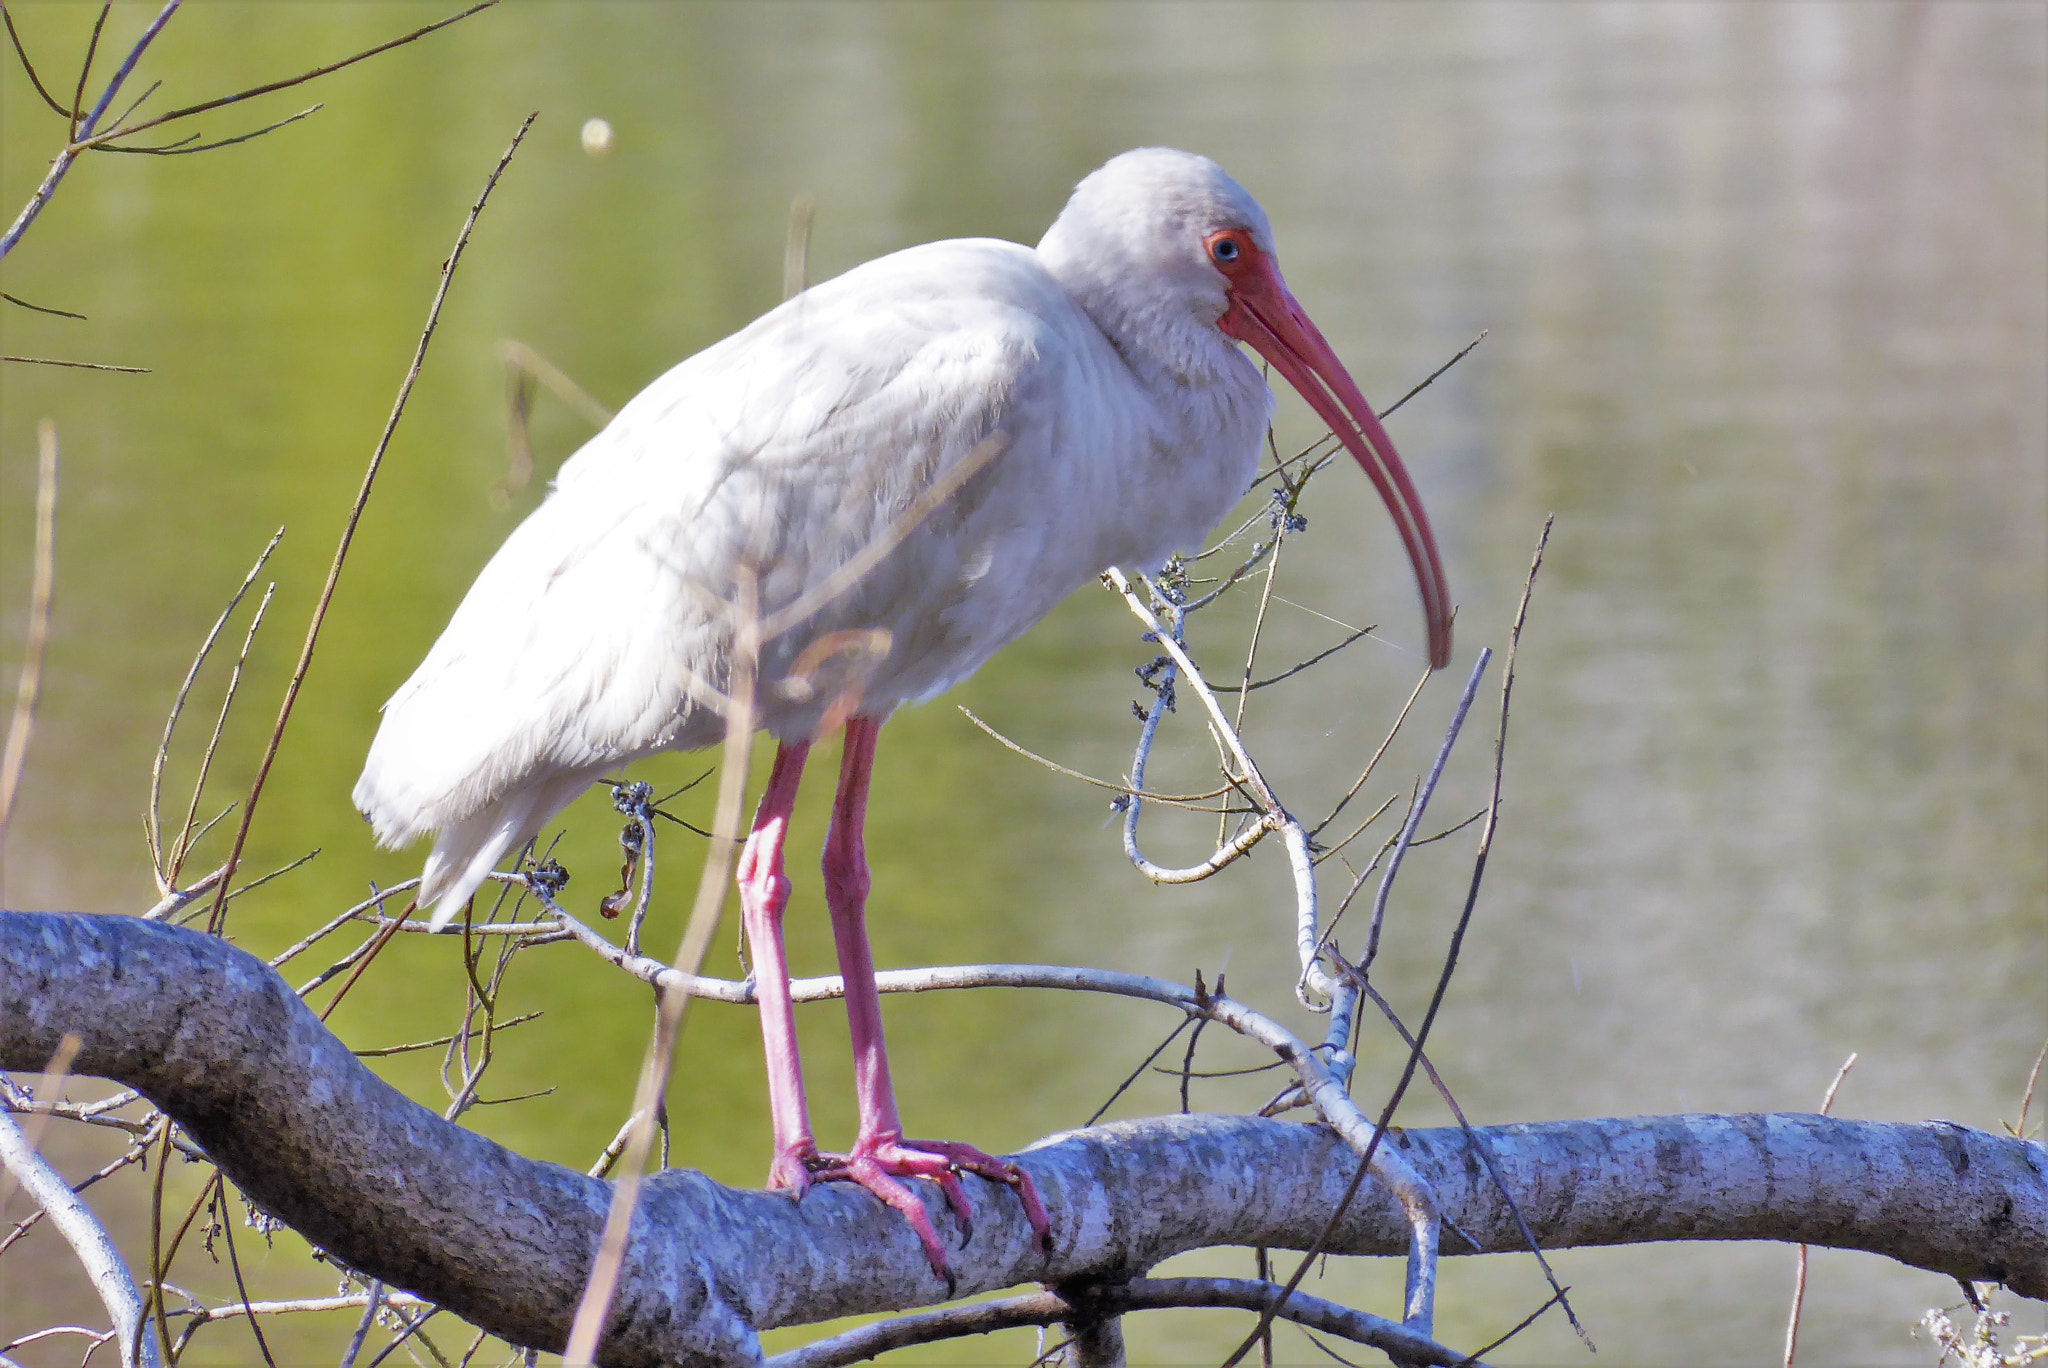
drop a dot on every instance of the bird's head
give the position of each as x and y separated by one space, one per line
1164 245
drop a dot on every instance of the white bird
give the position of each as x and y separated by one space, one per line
1097 382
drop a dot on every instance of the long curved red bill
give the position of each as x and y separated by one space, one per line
1264 315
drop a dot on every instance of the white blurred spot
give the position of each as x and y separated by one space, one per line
597 137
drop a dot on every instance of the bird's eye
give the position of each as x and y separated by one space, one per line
1225 250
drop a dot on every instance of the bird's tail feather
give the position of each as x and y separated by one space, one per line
465 854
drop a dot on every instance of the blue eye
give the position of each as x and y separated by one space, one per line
1225 250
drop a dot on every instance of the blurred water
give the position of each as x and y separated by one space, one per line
1765 298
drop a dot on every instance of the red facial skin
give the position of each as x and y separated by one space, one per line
1263 314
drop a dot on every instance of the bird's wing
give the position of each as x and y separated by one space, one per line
601 629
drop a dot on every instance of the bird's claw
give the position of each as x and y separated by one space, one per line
793 1169
967 1158
880 1166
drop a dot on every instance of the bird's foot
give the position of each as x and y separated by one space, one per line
968 1159
880 1165
794 1167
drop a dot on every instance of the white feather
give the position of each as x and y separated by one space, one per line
599 632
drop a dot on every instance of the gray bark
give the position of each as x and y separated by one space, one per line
218 1041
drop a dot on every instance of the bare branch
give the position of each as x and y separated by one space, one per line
182 847
1416 809
92 48
77 365
84 129
1373 763
1316 659
1100 1300
1186 800
351 1302
56 107
152 818
186 146
1827 1104
23 303
300 79
2019 1127
1388 412
87 1237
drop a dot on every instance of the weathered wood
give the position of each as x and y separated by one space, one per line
217 1040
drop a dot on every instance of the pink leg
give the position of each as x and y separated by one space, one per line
881 1156
764 894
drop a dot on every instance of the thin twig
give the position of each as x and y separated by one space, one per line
92 48
1827 1103
2027 1098
1415 811
1186 800
1384 414
1443 982
42 588
82 131
153 1307
1524 1323
1478 1146
23 303
348 532
30 67
1187 1063
1358 831
186 836
76 365
370 1309
289 81
277 873
414 1329
1251 651
349 1302
178 898
1373 763
139 101
152 817
1107 1299
1274 815
1137 1073
360 958
1316 659
377 899
439 1041
521 359
1431 379
185 146
227 1226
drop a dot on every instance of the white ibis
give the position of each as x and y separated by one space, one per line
1102 366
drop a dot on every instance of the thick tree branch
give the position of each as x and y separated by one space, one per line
308 1132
